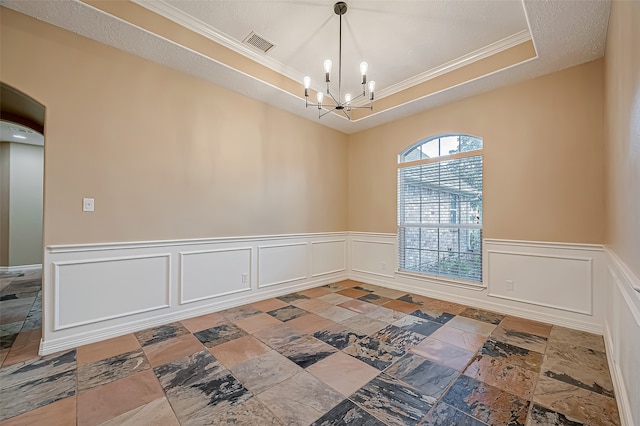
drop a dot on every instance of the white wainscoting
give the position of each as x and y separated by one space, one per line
282 263
137 283
557 281
374 254
622 337
207 274
552 282
328 257
94 292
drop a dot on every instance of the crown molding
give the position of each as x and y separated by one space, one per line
485 52
174 14
199 27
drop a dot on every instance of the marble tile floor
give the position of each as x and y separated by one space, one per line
20 315
343 354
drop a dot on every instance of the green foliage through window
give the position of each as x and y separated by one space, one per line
440 208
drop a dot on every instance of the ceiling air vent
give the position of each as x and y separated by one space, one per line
257 42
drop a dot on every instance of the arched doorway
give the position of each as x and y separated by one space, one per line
21 218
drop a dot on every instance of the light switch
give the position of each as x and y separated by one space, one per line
87 204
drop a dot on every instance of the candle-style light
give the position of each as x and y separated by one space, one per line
340 8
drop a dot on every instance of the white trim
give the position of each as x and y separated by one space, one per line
544 244
620 390
373 234
623 281
56 290
626 295
477 296
624 270
285 281
70 248
20 268
183 254
376 242
393 244
462 61
469 295
372 273
549 305
462 83
199 27
521 312
443 280
344 268
80 339
276 266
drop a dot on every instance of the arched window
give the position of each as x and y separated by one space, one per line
440 207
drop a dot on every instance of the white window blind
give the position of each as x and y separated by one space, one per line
440 215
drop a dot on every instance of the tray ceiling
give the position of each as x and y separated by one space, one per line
420 53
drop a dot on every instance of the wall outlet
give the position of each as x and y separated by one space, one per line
244 278
508 285
384 266
87 204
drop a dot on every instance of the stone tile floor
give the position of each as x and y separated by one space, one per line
344 354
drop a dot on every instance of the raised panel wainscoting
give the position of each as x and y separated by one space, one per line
580 286
98 291
94 292
622 336
550 282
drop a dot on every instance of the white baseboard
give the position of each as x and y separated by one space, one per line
94 292
553 282
622 337
85 338
519 311
20 268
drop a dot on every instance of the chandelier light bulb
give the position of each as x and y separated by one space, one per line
327 66
363 68
336 104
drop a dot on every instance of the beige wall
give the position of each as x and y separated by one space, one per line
543 167
169 156
622 89
166 155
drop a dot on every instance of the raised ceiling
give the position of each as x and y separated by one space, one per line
421 53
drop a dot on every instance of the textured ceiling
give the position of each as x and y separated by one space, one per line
406 43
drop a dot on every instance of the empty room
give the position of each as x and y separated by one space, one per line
310 212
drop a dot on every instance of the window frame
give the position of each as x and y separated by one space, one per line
403 164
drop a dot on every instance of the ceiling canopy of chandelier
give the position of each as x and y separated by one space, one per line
339 104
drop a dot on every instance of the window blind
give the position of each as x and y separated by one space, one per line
440 218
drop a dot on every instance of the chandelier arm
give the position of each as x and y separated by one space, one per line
340 8
337 101
361 95
326 111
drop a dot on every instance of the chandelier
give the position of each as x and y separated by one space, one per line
345 105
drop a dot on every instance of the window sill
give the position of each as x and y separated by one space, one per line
468 285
